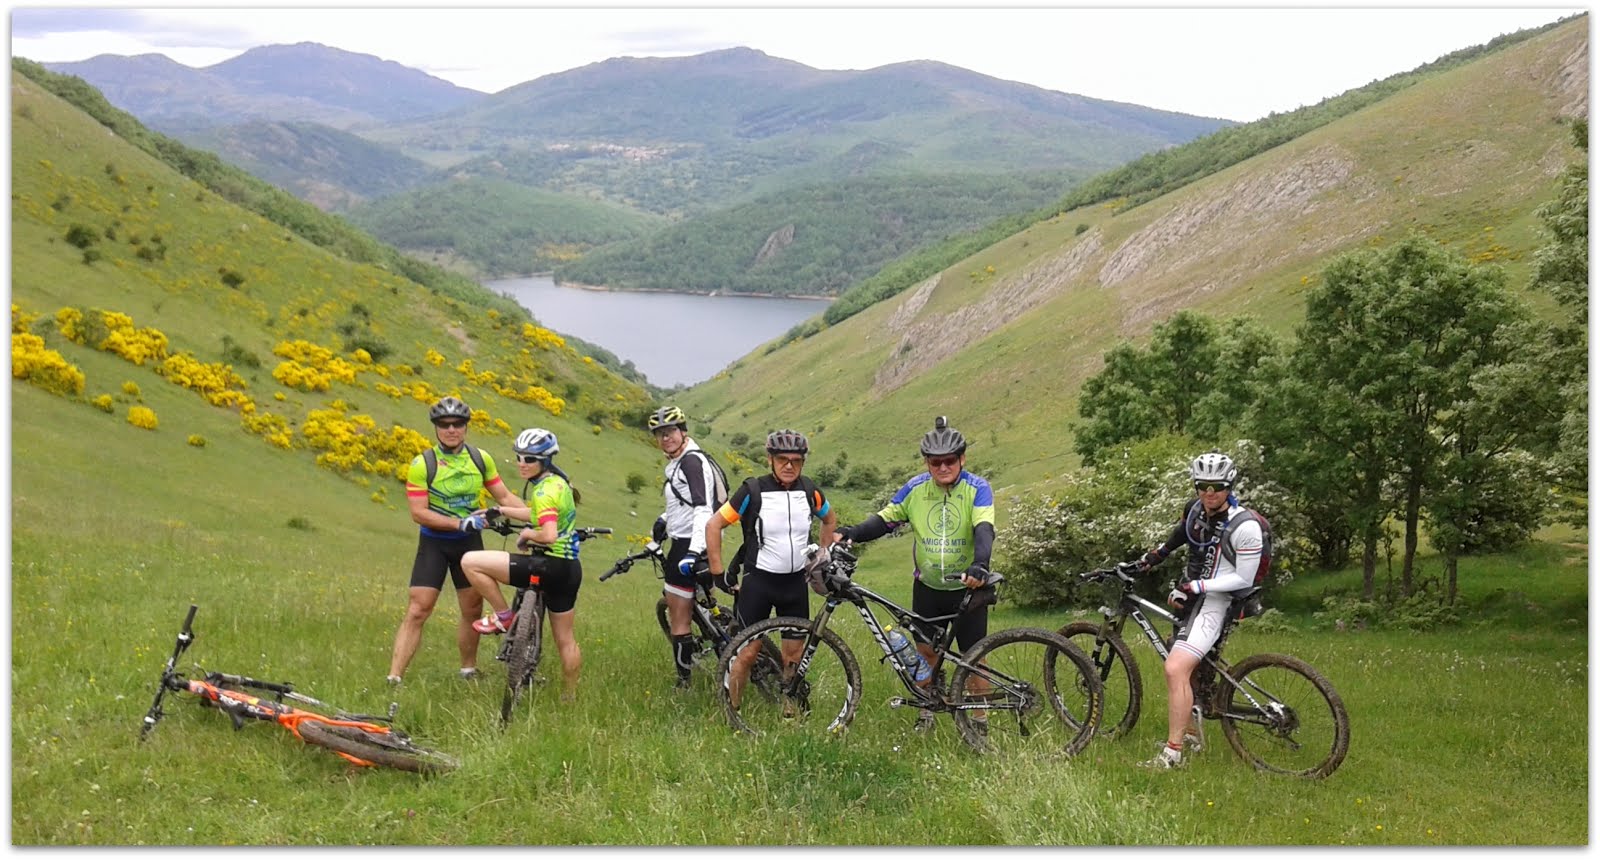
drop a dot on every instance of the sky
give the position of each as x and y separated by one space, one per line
1239 63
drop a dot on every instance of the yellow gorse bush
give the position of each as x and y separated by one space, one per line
103 403
142 416
39 365
217 383
137 345
21 320
542 337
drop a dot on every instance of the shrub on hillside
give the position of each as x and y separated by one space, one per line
31 360
142 416
104 403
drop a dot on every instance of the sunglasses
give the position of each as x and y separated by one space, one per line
527 458
1211 486
451 425
791 462
942 462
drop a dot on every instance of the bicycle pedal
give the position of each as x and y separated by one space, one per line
900 702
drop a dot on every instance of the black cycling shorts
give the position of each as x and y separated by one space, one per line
760 593
675 553
436 555
931 602
558 579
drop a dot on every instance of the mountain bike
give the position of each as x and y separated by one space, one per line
1024 687
1277 712
713 625
523 643
361 739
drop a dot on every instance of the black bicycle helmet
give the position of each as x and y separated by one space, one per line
787 442
449 407
943 440
667 416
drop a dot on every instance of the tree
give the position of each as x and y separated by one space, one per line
1393 339
636 482
1195 378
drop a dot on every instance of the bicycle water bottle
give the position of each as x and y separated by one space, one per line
907 656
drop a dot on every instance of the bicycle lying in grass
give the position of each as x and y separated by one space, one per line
1020 688
523 644
1277 712
361 739
713 625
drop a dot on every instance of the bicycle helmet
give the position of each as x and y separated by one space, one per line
538 442
449 407
943 440
1213 466
667 416
787 442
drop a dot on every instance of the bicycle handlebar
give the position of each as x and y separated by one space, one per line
651 549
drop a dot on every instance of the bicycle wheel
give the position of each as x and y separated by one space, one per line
705 638
1296 723
525 640
822 699
1039 691
1122 688
389 749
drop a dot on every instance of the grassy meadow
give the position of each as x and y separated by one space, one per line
118 529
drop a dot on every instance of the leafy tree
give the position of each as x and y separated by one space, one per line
636 482
1393 340
1196 377
1561 268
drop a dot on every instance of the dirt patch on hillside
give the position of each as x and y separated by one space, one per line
926 342
1228 219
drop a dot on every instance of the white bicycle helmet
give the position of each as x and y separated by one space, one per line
1213 466
538 442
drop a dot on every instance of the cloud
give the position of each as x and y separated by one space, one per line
40 22
670 40
160 32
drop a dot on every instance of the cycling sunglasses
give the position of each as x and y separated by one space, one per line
528 458
1210 486
450 425
942 462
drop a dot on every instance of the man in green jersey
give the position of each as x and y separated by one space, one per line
951 515
442 490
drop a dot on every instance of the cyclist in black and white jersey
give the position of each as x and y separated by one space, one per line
692 488
776 510
1229 552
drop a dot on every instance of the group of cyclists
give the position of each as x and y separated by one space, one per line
948 511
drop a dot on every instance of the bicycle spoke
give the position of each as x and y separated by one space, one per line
1035 695
1284 716
777 699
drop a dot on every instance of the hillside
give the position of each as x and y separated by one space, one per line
690 133
814 240
288 83
331 169
497 228
291 355
1002 340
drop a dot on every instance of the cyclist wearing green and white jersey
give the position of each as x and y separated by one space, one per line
552 514
951 515
443 506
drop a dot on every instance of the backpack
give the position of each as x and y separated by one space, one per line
1246 515
750 520
430 460
719 481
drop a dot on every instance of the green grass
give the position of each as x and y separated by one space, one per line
118 529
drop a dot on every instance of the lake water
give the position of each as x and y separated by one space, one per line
672 338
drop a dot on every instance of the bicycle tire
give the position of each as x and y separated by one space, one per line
525 640
831 684
1122 688
384 748
1293 742
1031 705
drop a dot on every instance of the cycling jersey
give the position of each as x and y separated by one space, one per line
689 476
552 502
455 488
783 521
942 522
1233 567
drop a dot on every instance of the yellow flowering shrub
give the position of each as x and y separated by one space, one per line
21 320
293 374
39 365
273 428
103 403
137 345
217 383
142 416
433 358
130 388
69 321
542 337
197 440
